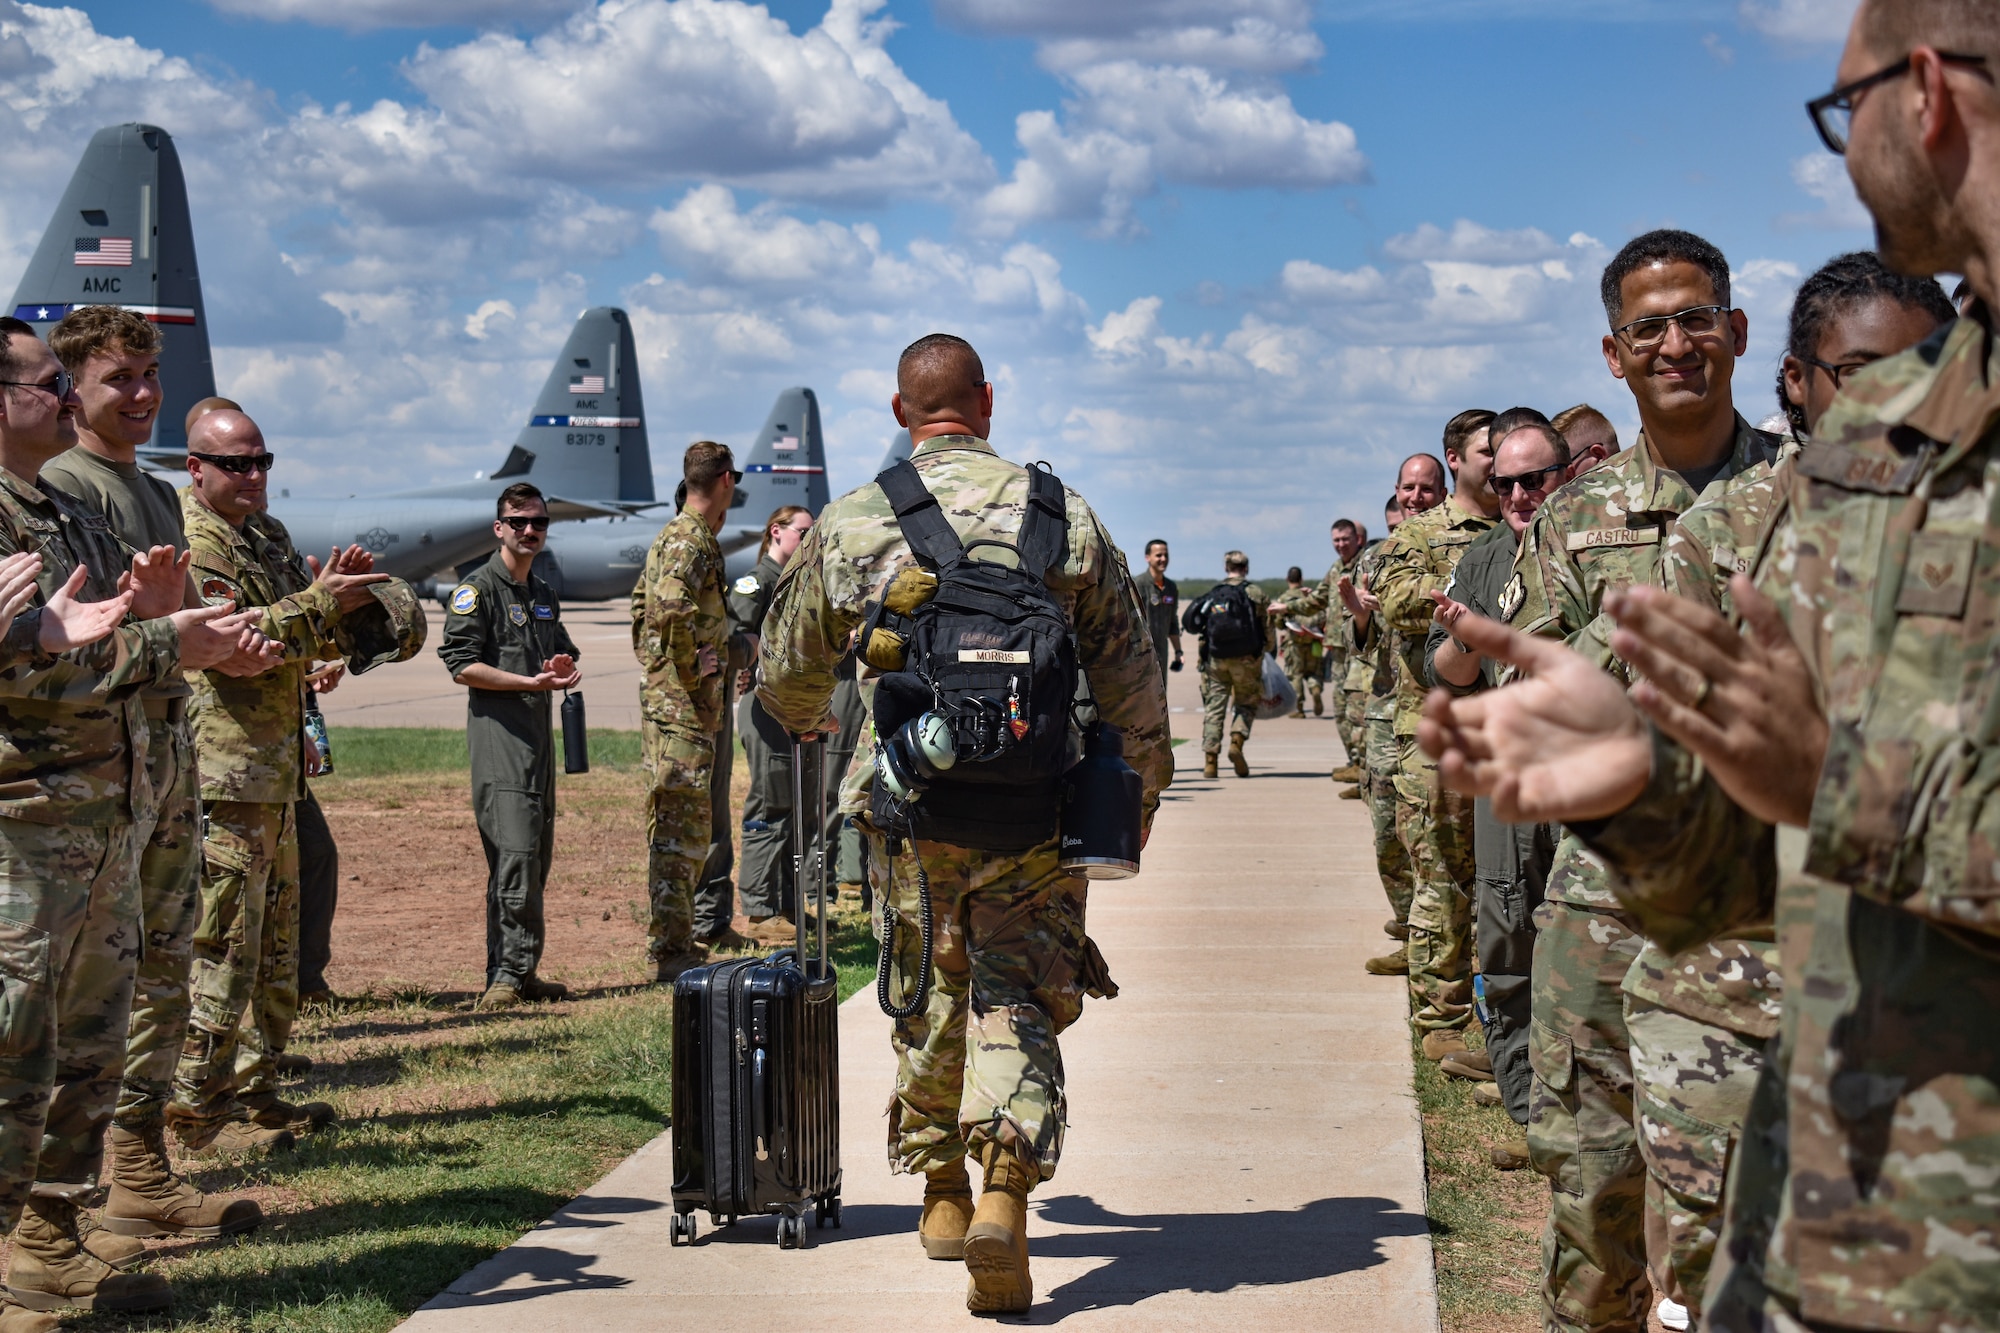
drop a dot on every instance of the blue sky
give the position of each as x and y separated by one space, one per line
1228 260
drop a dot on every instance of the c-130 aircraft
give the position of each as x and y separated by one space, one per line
121 235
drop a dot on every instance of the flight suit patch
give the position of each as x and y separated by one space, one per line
517 614
215 591
1592 538
465 599
1938 576
545 613
1511 597
746 586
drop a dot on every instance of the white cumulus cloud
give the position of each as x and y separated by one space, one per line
1798 21
362 15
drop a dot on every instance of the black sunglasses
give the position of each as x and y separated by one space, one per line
1833 112
241 465
1536 480
60 386
521 522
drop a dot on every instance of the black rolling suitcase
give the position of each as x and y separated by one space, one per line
756 1071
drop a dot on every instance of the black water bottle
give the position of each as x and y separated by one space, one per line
576 747
1103 807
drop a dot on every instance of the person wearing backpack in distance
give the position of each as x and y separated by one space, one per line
1235 634
983 1083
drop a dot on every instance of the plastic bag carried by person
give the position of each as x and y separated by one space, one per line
1278 697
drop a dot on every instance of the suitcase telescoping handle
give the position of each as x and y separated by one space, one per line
815 833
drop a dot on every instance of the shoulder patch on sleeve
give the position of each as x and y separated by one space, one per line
216 591
1511 597
465 600
746 586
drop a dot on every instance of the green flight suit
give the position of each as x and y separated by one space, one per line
499 621
766 882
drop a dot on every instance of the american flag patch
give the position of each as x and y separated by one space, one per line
786 444
104 251
586 384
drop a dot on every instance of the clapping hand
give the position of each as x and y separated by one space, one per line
560 673
157 582
347 575
68 623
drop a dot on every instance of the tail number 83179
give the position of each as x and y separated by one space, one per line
584 437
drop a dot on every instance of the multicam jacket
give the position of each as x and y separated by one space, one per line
72 731
1866 1189
1601 532
249 731
677 609
1418 560
856 547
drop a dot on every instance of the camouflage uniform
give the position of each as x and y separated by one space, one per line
250 736
968 1073
1342 668
677 609
144 512
1233 680
1433 821
1303 654
1371 675
1511 861
73 750
1861 1194
1700 1020
1600 532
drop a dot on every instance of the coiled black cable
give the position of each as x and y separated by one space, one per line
885 964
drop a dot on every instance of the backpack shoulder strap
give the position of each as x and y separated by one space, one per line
923 523
1044 538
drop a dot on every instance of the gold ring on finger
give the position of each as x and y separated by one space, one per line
1701 695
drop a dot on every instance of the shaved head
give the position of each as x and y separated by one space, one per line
226 430
939 376
207 405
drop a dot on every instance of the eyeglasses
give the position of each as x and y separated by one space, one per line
522 522
241 465
737 477
60 386
1697 321
1834 112
1536 480
1838 374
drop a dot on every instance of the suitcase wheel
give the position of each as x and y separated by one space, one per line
791 1232
681 1229
826 1212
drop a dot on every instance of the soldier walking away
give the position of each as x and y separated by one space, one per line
250 743
975 1080
113 356
1235 633
73 734
1301 647
1161 598
1532 459
770 897
504 640
680 634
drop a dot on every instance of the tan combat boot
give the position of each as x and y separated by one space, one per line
1442 1042
996 1242
17 1318
1319 708
233 1135
51 1270
498 997
1236 759
1474 1065
121 1252
148 1199
1509 1154
1395 964
1395 929
947 1211
1347 773
1209 767
669 964
274 1112
1353 794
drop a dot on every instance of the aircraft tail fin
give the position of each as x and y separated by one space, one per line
586 438
786 463
121 236
900 448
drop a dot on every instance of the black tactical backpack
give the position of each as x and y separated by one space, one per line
993 653
1229 622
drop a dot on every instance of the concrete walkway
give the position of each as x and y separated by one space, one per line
1244 1150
